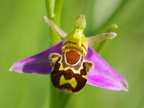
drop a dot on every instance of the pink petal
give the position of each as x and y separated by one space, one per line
102 75
37 64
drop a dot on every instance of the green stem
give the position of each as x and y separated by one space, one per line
57 99
54 8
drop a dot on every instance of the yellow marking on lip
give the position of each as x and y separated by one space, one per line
72 68
71 81
84 76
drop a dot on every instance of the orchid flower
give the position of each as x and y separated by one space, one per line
72 63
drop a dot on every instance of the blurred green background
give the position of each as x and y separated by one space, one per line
23 33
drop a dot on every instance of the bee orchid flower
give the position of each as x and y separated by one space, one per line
72 63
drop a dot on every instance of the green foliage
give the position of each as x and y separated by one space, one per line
23 32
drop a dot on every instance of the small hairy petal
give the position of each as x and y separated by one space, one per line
102 75
37 64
